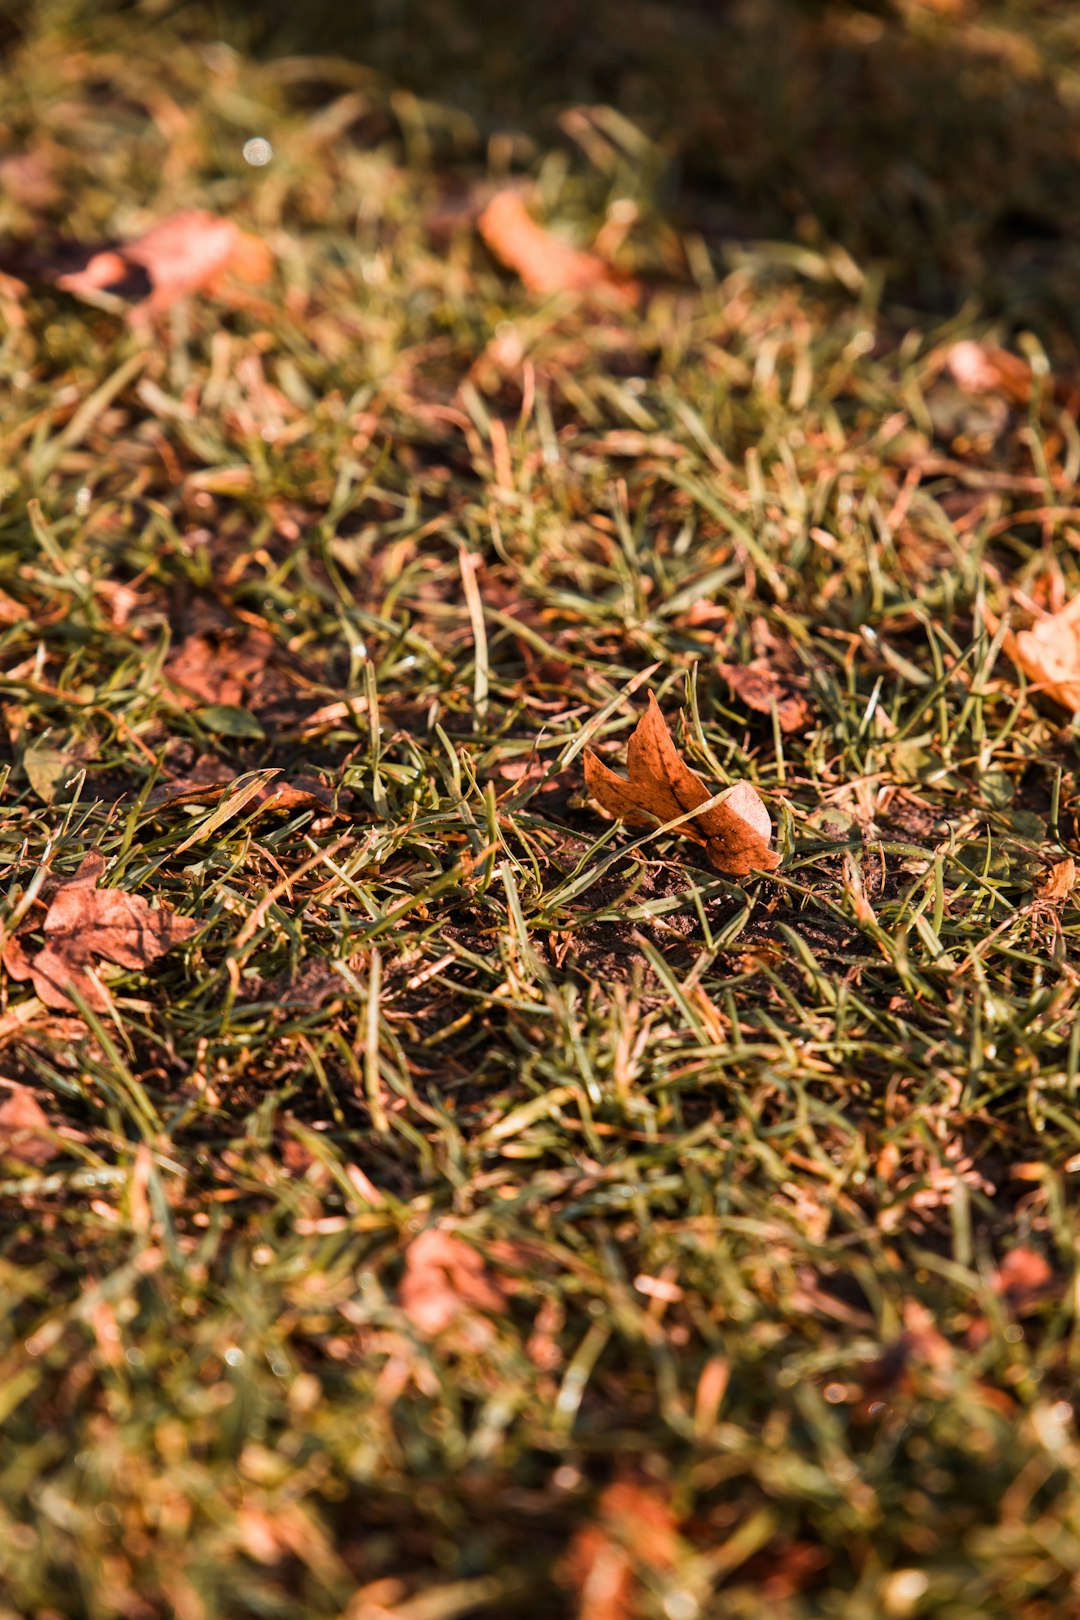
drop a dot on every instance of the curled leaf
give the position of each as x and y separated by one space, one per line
1049 653
302 793
545 264
189 252
1057 882
660 786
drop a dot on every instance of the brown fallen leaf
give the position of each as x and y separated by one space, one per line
545 264
11 612
301 793
760 687
634 1535
445 1279
785 1570
25 1133
211 668
187 790
1023 1279
601 1571
191 251
1048 652
223 670
84 922
1057 881
984 369
919 1354
660 785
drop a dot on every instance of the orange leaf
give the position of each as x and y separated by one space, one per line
759 687
189 252
220 667
545 264
984 369
659 784
1023 1278
84 922
302 793
1056 883
634 1533
25 1133
602 1572
979 369
445 1279
1049 653
102 271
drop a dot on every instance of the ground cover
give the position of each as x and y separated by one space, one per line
422 1195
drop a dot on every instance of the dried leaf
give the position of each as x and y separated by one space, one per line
219 669
187 790
444 1279
792 1567
1058 881
660 785
302 793
979 369
602 1573
243 792
924 1342
646 1518
635 1530
84 922
235 679
1024 1278
760 688
1024 1281
25 1133
1049 653
11 612
545 264
189 252
984 369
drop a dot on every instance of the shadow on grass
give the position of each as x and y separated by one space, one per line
937 141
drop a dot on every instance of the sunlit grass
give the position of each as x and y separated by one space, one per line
742 1164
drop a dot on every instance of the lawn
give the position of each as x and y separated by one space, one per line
424 1195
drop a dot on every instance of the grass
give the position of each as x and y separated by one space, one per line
492 1210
